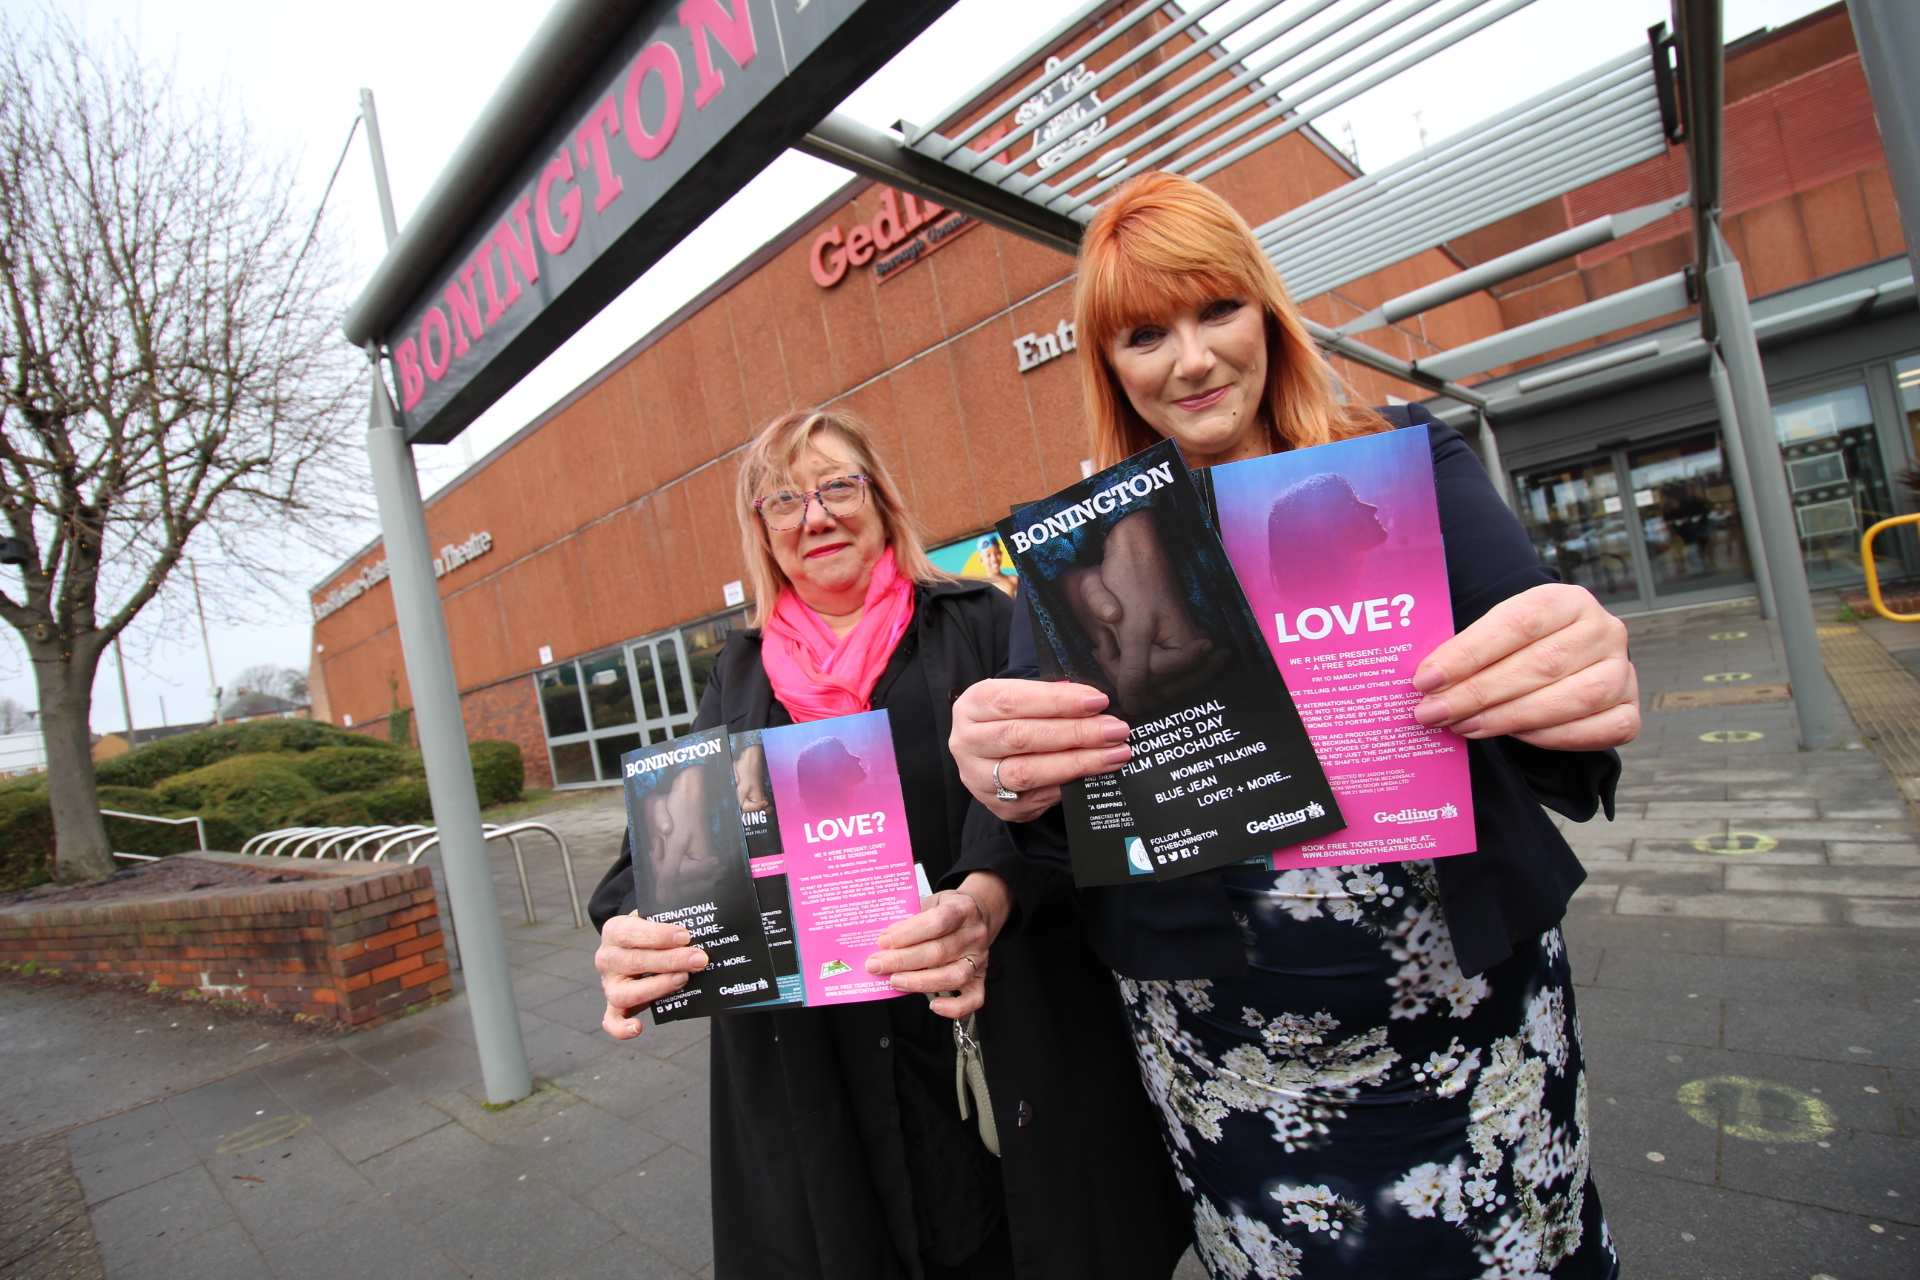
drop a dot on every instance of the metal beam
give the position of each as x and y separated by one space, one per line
1799 635
1884 29
421 617
879 155
1703 85
1616 311
1508 266
1362 354
1733 437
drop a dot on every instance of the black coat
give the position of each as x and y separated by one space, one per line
1515 886
812 1177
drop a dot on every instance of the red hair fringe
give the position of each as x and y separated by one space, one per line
1164 243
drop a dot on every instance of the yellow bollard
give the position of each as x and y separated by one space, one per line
1873 574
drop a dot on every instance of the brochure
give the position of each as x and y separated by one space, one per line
1132 592
760 827
844 853
690 868
1338 549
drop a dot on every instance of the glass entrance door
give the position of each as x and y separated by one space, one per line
1578 520
1642 527
1689 520
666 700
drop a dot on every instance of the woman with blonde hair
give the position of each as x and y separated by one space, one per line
840 1148
1360 1070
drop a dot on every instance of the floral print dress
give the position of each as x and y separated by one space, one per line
1356 1106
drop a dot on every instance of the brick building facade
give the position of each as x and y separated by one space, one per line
582 625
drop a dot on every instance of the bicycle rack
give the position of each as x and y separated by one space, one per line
511 834
400 844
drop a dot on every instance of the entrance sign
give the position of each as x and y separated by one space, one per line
682 110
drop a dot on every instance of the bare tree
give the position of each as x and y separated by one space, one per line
14 718
275 681
169 367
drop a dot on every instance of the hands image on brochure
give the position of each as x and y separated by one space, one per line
690 868
1131 592
1131 604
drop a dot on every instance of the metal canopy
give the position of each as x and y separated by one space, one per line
1194 89
1193 98
1575 133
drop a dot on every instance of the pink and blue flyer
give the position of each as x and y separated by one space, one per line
845 852
1338 548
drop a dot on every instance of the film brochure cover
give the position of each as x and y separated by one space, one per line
834 855
760 829
1132 593
690 868
1338 549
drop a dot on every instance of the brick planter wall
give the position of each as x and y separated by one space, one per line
356 942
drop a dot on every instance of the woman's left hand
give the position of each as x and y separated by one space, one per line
944 948
1548 666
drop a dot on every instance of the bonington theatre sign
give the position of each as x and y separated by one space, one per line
694 99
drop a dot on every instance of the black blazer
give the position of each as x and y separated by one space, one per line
1515 886
810 1167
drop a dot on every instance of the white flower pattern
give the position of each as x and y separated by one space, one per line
1512 1182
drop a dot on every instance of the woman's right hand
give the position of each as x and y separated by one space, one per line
1041 735
640 961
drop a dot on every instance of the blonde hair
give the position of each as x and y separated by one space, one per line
1163 243
769 463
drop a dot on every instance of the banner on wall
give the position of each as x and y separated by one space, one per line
983 556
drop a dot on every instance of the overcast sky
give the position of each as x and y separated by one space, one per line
296 71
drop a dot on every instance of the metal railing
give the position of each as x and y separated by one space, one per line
407 844
199 827
1873 574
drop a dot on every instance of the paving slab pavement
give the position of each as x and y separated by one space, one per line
1752 1021
1747 951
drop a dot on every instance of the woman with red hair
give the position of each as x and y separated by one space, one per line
1362 1070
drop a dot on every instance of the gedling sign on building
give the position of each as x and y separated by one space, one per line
687 105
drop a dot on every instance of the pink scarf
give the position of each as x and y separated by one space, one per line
818 675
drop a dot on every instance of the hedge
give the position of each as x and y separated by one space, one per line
151 838
331 811
336 770
26 840
183 753
263 788
400 803
301 775
499 775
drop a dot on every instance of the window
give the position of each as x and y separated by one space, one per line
560 700
1689 519
1578 520
599 707
1835 476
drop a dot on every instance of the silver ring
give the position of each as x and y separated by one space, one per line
1000 791
970 964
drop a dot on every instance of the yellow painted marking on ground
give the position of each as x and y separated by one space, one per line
1756 1110
1732 735
1847 630
1728 677
264 1134
1728 635
1736 842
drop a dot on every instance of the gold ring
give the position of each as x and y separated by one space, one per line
971 964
